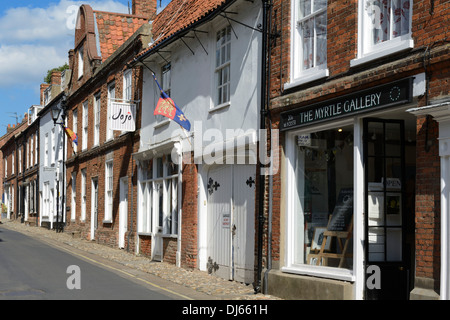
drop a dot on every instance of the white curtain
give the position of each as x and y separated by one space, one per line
389 18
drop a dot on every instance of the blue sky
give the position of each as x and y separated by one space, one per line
35 36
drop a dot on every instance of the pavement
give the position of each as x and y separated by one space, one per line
207 287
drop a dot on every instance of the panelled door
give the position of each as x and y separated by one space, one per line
231 222
385 250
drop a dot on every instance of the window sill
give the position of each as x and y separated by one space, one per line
219 107
307 77
161 124
321 272
384 51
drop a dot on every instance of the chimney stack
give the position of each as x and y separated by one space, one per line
56 78
43 87
145 8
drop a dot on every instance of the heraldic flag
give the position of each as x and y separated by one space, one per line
72 135
166 107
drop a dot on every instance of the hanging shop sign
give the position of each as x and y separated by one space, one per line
389 95
123 116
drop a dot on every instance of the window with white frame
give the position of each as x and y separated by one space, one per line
384 27
80 62
46 155
97 120
158 195
85 124
36 146
309 41
46 199
6 166
83 195
108 191
222 72
166 81
75 125
53 152
19 164
32 151
127 85
73 214
27 155
320 179
12 160
111 97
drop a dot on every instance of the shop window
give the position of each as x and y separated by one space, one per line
321 207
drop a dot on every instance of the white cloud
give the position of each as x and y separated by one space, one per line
34 40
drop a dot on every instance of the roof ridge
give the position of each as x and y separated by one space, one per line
122 14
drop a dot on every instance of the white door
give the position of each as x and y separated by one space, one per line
231 217
123 213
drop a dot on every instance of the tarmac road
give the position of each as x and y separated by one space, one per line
34 270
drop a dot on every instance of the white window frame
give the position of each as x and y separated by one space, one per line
148 214
46 150
109 189
357 273
299 75
111 97
127 85
19 163
53 149
75 125
85 125
32 150
73 212
219 66
83 194
368 52
46 199
97 101
36 146
12 160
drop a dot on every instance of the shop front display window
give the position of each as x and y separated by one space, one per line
323 200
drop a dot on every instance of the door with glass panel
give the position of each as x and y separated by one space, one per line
386 256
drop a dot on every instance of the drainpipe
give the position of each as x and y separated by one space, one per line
263 114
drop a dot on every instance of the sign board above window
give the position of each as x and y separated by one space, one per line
389 95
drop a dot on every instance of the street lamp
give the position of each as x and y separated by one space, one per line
58 112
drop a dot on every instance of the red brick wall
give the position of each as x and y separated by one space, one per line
170 250
189 219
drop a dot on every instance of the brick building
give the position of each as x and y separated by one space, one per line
100 172
10 174
358 168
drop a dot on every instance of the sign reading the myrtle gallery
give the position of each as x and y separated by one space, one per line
384 96
123 116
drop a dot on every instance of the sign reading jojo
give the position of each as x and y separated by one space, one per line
123 116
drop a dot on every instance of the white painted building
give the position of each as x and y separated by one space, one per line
210 67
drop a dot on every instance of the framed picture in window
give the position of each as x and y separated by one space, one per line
318 238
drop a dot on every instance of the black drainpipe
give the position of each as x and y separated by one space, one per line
263 114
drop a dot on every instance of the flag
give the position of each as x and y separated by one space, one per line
72 135
167 108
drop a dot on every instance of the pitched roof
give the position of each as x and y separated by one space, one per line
180 15
114 29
